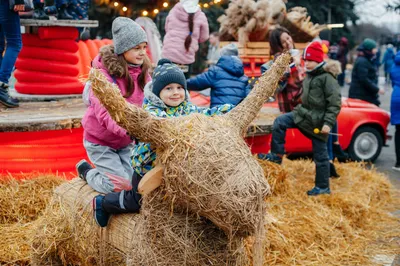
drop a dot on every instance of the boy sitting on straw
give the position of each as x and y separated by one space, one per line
315 116
166 96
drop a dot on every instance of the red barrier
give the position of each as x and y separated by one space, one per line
55 150
47 66
75 87
49 54
34 40
42 77
69 33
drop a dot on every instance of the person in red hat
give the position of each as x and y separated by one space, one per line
314 116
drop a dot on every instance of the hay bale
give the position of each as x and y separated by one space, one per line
14 244
348 227
23 200
67 234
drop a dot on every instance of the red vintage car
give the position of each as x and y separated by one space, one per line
363 129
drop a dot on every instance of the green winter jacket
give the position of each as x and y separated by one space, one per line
321 100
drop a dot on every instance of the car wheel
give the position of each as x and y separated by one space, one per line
366 144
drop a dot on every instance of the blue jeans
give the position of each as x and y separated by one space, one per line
319 147
11 31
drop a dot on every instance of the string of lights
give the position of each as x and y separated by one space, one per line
166 5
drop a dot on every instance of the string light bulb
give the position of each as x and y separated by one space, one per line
145 13
165 4
124 9
116 4
206 5
155 11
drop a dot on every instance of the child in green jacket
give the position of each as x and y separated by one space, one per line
314 117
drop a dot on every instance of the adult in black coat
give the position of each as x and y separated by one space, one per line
364 79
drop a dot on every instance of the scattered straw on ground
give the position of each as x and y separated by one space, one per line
349 227
23 200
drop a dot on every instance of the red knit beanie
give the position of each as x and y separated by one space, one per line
314 52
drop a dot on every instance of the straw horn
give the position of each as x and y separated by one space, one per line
137 122
243 114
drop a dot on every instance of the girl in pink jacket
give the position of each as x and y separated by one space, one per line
107 145
186 26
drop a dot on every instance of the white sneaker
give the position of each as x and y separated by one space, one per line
396 168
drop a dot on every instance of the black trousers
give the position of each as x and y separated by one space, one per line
124 201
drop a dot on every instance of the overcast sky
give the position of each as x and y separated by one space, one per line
374 11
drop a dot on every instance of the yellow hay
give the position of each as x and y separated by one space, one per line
23 200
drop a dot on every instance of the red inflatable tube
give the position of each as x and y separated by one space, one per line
35 41
84 59
93 50
49 54
99 43
48 88
40 150
66 33
47 66
42 77
107 41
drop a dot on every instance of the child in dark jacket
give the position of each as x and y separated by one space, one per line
228 83
321 103
166 96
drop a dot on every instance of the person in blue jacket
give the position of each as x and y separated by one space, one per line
228 83
387 62
395 107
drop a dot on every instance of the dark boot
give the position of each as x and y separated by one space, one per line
339 153
332 171
5 98
38 12
63 13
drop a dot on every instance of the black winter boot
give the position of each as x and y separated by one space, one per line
339 153
332 171
63 13
5 98
38 12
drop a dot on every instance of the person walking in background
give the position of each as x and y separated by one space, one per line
107 145
11 42
186 26
228 83
387 62
213 49
395 107
342 58
364 78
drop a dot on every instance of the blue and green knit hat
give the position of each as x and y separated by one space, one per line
166 73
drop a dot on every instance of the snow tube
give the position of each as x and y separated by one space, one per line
92 47
53 150
69 33
49 54
84 59
47 66
75 87
43 77
35 41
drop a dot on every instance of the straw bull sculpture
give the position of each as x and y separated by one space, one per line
208 174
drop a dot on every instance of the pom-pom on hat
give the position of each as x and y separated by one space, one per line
166 73
314 52
126 34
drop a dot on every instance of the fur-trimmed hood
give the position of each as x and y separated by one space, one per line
333 67
154 99
109 60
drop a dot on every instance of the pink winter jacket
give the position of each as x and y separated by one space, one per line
177 29
99 127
